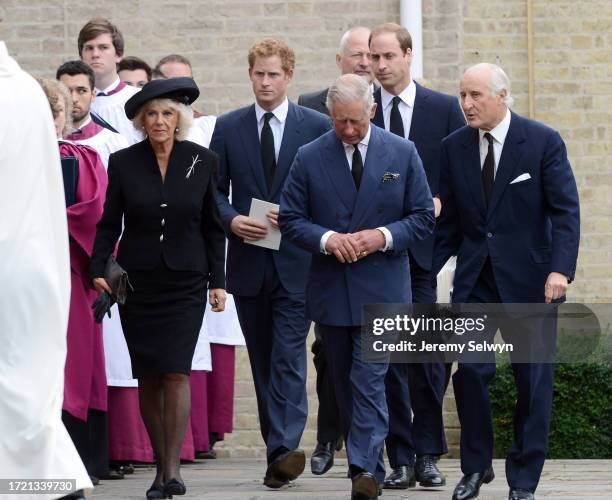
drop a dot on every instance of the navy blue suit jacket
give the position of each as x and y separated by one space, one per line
530 229
320 195
435 116
236 141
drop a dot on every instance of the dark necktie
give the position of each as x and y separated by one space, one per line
396 124
268 156
357 166
488 169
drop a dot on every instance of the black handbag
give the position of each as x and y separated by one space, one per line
117 279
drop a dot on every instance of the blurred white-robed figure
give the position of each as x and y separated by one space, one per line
35 291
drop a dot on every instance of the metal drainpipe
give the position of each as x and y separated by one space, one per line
530 76
411 18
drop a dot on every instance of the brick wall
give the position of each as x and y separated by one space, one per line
573 87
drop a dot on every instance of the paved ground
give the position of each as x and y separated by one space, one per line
240 479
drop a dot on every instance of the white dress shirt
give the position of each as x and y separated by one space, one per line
349 150
277 124
499 134
406 106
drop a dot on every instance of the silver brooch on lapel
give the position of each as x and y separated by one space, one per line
195 160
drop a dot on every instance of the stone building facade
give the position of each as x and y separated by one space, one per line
572 88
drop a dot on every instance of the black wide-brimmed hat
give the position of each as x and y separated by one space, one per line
183 90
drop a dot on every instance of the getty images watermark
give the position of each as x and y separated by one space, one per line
483 333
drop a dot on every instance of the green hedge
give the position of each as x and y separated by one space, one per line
581 425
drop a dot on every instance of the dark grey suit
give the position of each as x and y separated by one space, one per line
315 100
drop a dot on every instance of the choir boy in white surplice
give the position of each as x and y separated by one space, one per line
101 47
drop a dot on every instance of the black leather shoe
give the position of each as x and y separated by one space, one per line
364 487
469 486
517 494
284 468
427 473
339 443
155 491
401 478
174 487
322 458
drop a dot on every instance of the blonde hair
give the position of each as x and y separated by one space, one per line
56 91
185 116
269 47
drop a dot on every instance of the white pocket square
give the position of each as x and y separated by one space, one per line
521 178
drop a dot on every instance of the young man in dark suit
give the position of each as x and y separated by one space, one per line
356 198
409 110
353 56
256 146
510 213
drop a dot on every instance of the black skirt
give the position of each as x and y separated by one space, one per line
161 319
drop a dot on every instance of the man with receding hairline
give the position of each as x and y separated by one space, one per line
353 56
510 213
356 198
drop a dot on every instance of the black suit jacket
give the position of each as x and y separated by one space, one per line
435 116
176 220
315 100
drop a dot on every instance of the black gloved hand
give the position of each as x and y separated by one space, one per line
101 306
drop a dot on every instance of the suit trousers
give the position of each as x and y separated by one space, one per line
328 428
275 331
361 398
534 384
418 388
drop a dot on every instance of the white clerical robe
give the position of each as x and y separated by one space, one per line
35 290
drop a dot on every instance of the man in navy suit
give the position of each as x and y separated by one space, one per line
256 146
510 213
353 56
425 117
356 199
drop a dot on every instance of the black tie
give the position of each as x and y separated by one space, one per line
396 124
488 169
268 156
357 166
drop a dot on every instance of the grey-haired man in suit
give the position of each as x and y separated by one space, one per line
353 56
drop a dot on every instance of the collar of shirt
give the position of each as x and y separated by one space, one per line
110 88
408 95
280 112
499 133
83 125
349 149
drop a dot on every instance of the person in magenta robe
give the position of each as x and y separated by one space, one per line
85 392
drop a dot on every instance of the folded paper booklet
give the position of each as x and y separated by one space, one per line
259 209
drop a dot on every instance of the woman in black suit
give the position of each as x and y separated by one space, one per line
173 247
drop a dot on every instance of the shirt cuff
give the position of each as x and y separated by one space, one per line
388 239
324 239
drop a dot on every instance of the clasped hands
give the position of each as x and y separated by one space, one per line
348 248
